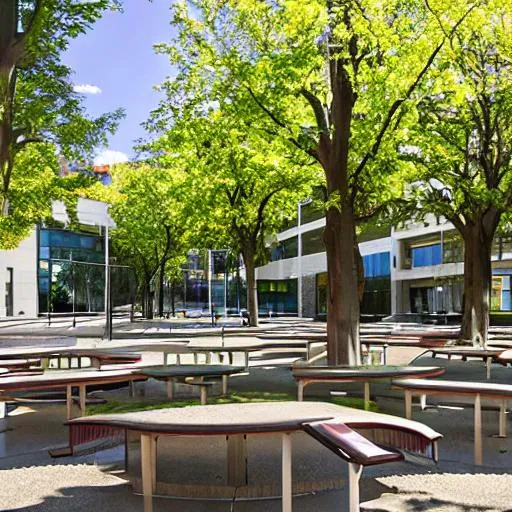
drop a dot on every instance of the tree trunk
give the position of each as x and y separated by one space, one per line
342 300
8 26
161 290
477 284
252 289
360 272
173 299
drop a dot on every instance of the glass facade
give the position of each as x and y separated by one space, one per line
377 286
426 255
313 242
71 273
284 249
278 296
376 265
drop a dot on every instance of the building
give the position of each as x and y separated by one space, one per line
57 266
413 269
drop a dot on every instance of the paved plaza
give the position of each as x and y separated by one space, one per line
98 480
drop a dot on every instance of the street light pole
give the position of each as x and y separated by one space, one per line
108 306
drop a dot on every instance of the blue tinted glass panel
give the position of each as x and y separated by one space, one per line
44 253
376 265
426 256
44 237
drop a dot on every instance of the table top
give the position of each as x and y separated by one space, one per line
250 418
102 353
506 356
60 378
227 347
365 372
467 351
190 370
454 386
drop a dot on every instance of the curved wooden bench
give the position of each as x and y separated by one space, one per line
308 374
237 420
477 390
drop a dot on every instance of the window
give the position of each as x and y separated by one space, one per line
426 256
376 265
313 242
285 249
453 251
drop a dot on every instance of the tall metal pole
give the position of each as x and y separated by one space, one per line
108 318
225 284
299 260
210 309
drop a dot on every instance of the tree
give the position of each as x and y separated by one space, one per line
242 183
334 78
462 149
148 210
37 101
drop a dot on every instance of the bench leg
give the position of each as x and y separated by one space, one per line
208 358
286 474
408 404
366 396
224 384
478 430
300 391
195 357
246 354
237 460
503 419
178 359
83 396
3 410
69 401
204 395
165 359
488 362
147 471
154 453
170 388
354 473
131 389
423 401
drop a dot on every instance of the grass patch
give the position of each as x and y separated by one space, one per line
115 406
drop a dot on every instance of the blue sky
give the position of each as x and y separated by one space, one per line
115 65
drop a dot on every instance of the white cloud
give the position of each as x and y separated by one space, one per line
109 157
86 89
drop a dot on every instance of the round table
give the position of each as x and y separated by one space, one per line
306 374
235 421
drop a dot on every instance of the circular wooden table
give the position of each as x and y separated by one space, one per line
175 373
306 374
237 420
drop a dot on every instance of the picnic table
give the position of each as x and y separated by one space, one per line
184 373
487 355
342 429
167 348
65 380
71 358
477 390
307 374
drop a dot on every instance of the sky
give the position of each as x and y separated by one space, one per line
115 66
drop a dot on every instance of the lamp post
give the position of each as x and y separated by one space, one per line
300 204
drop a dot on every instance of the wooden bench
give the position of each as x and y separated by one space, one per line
466 353
349 435
308 374
65 380
477 390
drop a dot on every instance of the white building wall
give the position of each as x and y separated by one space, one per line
23 261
